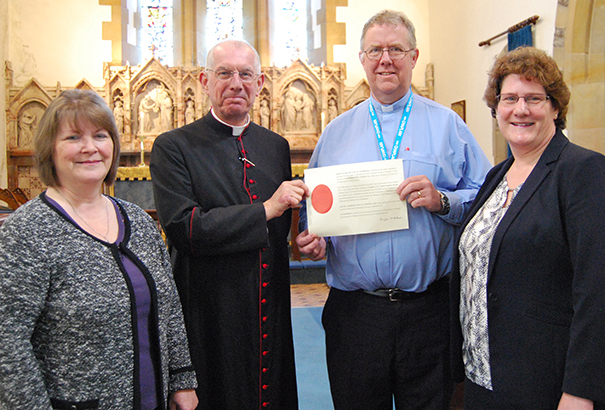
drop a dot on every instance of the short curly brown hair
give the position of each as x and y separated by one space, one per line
533 65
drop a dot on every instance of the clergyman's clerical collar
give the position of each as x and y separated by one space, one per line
396 106
236 130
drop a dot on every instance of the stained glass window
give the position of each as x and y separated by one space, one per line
157 28
224 19
290 31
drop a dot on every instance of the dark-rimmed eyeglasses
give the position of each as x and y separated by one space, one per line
226 75
530 99
396 53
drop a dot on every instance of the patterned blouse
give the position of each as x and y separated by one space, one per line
475 246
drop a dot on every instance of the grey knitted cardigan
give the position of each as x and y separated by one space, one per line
67 327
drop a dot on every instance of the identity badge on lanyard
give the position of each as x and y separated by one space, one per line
400 131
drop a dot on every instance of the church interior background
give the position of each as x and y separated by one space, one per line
309 55
104 45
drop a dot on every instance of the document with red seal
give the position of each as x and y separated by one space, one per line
353 199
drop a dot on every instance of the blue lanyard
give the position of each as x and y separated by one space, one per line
397 143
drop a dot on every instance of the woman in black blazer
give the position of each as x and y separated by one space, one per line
528 296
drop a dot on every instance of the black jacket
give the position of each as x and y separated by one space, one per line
546 282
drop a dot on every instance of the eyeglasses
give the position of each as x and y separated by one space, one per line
226 75
396 53
530 99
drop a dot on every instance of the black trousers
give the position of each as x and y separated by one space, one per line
379 351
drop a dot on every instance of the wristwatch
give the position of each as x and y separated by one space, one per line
445 204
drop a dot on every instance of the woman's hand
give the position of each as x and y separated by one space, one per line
569 402
183 400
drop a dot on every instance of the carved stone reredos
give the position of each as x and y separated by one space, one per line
296 101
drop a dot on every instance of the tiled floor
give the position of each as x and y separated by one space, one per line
312 295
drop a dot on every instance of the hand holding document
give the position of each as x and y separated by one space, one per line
357 198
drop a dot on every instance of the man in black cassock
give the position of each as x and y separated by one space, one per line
223 190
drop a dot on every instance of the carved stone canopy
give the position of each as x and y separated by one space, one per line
296 101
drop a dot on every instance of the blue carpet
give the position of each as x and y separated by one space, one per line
310 351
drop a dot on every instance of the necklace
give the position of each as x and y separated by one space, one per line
84 220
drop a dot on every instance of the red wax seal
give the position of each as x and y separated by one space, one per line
322 199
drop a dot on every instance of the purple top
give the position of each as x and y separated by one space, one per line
142 297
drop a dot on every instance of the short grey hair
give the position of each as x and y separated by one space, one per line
390 17
239 44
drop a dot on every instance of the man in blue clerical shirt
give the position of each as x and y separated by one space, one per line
387 316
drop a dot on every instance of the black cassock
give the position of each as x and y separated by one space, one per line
230 265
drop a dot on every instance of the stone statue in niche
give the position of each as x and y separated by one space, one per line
155 112
332 109
118 115
148 109
298 109
27 125
190 112
289 111
165 110
265 114
306 111
27 122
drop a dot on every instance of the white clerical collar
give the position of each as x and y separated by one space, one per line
397 105
236 130
386 108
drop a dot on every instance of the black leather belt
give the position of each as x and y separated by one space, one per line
396 295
